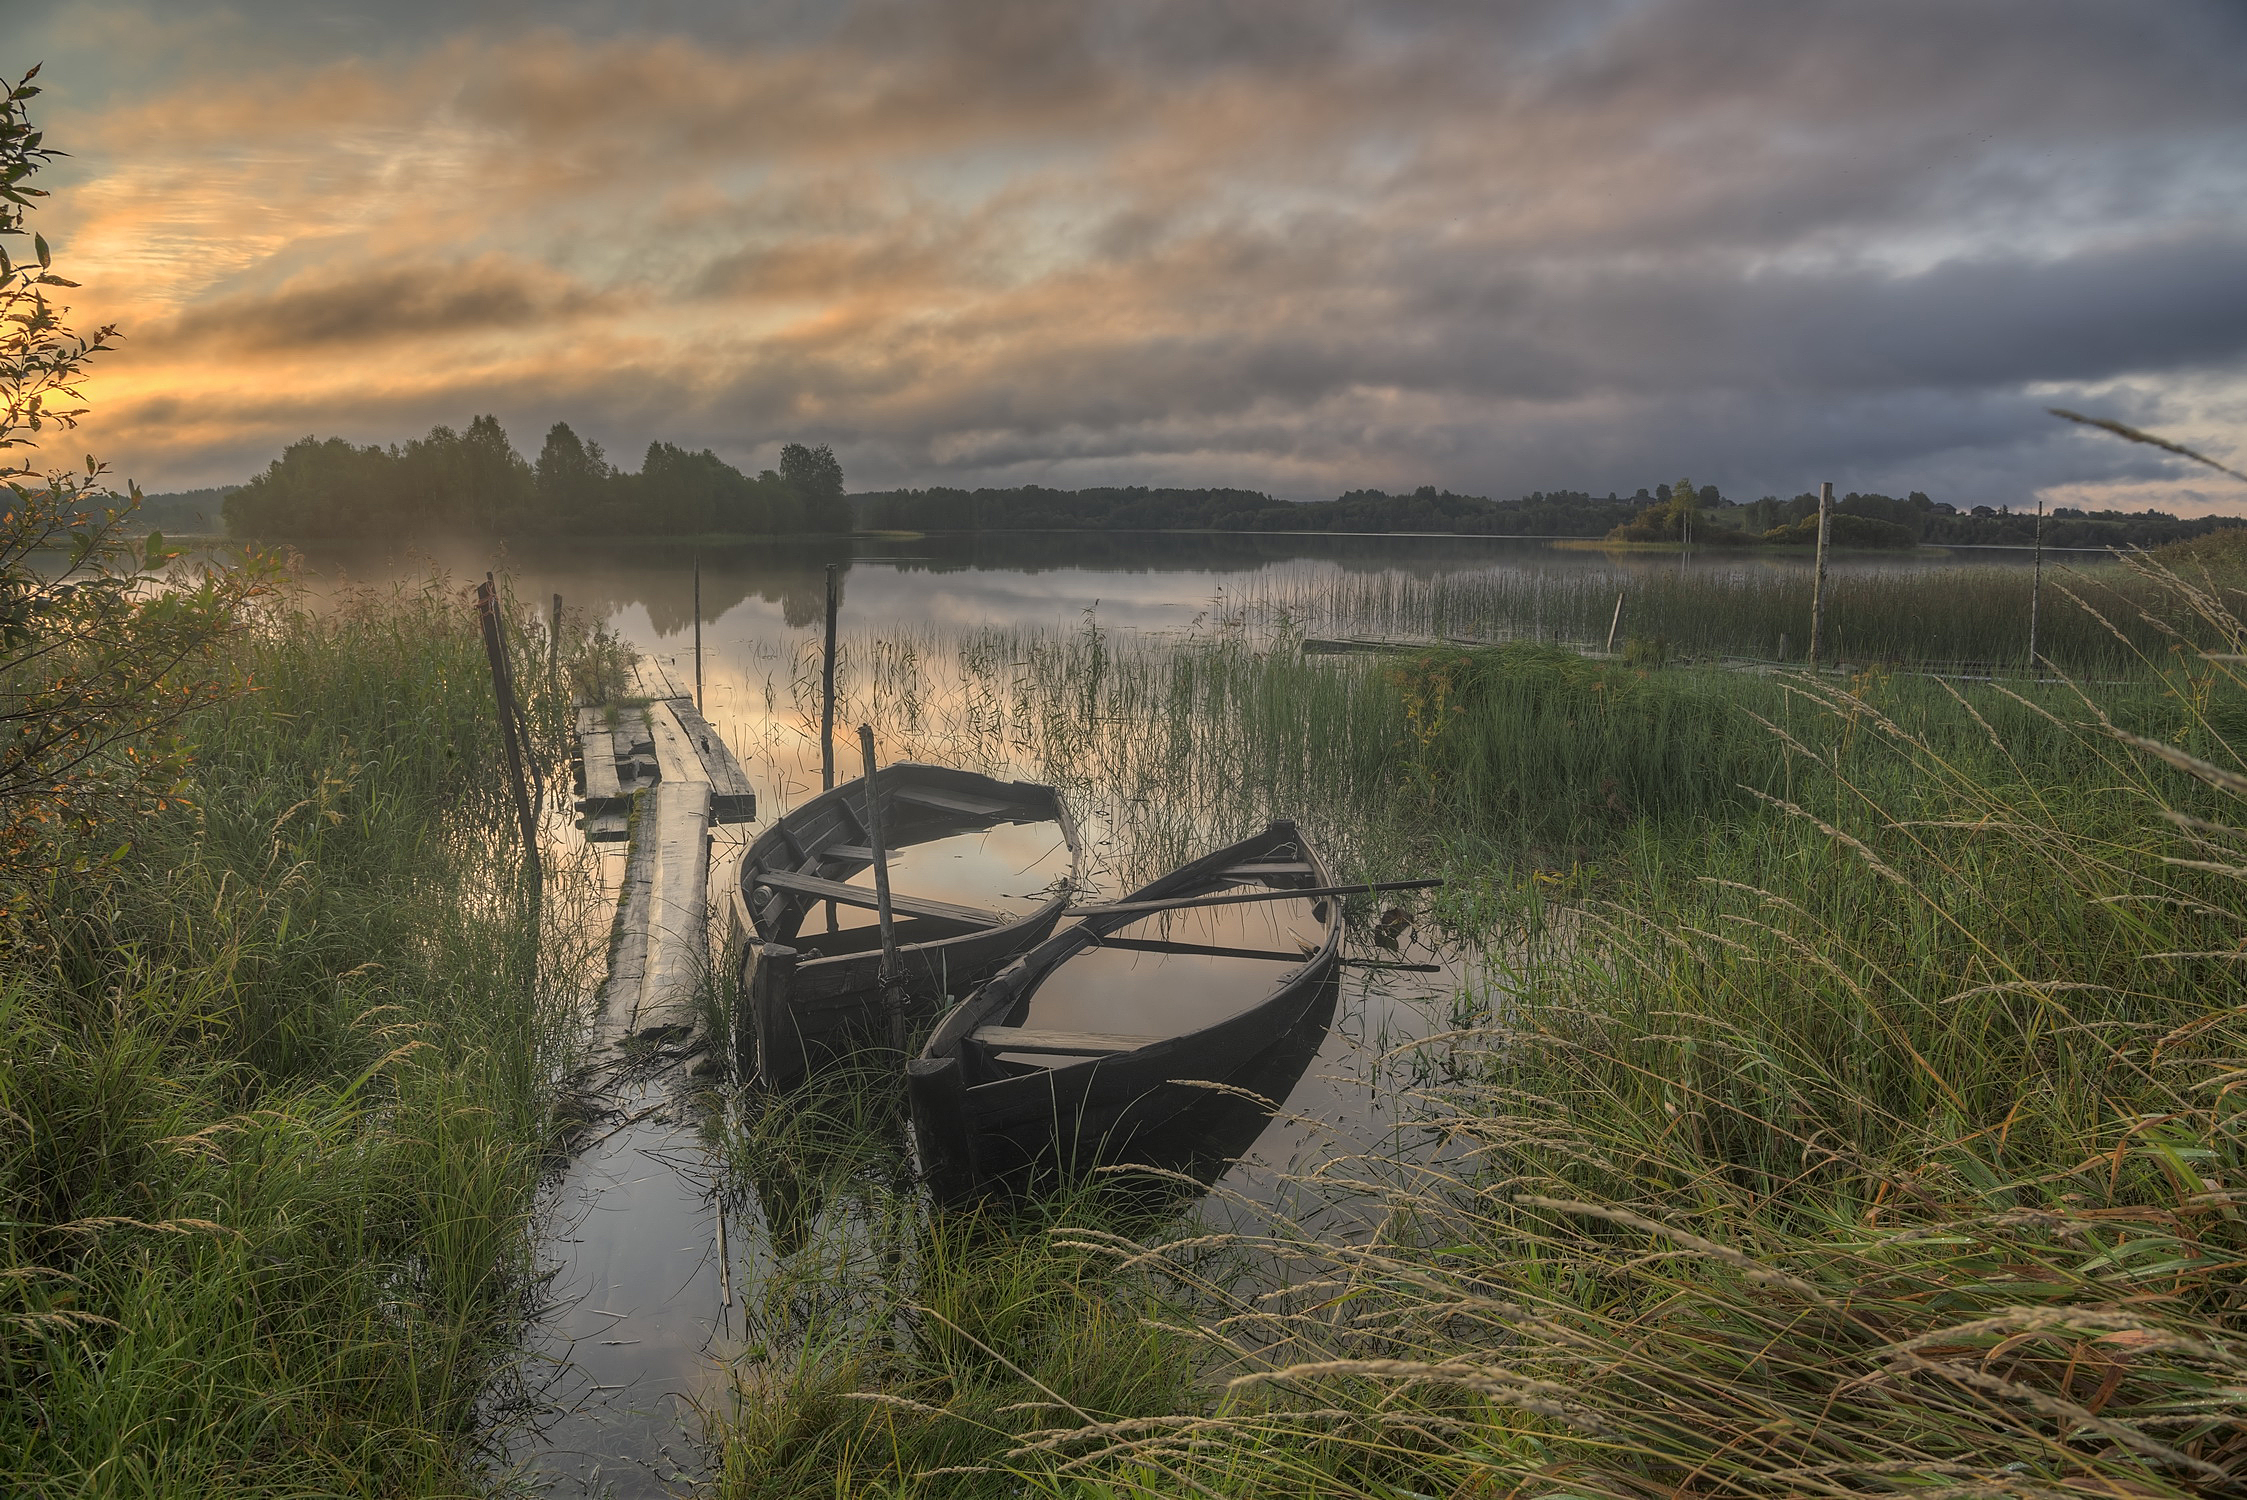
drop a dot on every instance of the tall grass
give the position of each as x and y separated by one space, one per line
1960 616
1889 1140
274 1074
1861 1111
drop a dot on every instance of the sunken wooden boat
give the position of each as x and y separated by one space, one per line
999 1099
811 990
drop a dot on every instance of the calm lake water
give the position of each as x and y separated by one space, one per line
650 1327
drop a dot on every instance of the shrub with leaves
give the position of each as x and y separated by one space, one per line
104 641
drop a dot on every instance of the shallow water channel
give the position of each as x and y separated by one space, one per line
660 1257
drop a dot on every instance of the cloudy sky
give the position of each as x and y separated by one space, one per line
1299 245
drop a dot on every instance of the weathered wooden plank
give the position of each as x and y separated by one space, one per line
1273 867
858 895
596 749
1063 1043
732 798
974 807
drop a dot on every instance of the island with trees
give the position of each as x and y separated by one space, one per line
474 481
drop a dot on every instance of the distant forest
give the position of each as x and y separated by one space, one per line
475 481
1860 520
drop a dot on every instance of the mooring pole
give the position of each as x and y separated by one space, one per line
893 976
554 648
1818 579
698 631
503 689
2036 587
827 695
1616 623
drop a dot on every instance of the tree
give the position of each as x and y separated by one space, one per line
97 666
817 478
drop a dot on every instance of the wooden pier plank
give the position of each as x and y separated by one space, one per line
732 798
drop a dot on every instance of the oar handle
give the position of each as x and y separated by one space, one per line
1237 898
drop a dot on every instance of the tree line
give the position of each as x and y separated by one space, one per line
1140 508
1683 511
1668 512
475 481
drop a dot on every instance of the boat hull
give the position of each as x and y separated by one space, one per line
977 1131
801 1008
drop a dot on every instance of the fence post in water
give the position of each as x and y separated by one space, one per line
1616 623
554 648
827 695
893 976
698 632
1818 578
503 689
2036 587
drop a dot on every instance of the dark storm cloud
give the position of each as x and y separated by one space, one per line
386 302
1302 243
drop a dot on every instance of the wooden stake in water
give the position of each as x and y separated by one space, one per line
2036 586
893 973
554 646
827 694
1616 623
1818 579
698 633
503 689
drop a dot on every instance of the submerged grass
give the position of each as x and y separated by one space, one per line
1862 1113
274 1074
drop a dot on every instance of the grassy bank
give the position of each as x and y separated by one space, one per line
1860 1113
274 1081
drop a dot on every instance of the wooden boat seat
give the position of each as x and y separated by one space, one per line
954 802
1063 1043
1259 871
859 895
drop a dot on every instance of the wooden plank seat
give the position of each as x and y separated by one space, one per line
859 895
1060 1043
954 802
1274 867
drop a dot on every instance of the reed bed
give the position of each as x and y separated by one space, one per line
1959 617
275 1070
1857 1109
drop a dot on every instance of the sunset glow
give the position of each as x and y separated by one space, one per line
1299 247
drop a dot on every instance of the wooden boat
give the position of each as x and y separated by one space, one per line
996 1100
808 994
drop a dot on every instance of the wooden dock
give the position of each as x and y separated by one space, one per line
655 772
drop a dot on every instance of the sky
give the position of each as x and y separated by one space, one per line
1303 246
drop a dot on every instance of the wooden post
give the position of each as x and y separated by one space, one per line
698 632
2036 588
827 695
1616 623
1818 579
554 648
503 689
893 975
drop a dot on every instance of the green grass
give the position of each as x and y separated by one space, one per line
274 1073
1954 616
1860 1111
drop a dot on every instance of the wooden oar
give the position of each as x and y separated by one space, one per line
1237 898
